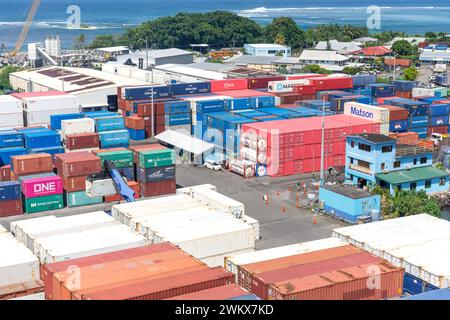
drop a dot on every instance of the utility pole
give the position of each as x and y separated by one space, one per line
153 106
395 60
322 147
62 74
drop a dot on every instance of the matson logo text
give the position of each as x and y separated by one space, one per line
361 113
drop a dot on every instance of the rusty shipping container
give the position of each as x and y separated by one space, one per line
352 283
167 287
247 272
217 293
396 113
77 164
82 141
151 189
73 184
135 122
48 270
32 163
5 173
10 208
262 281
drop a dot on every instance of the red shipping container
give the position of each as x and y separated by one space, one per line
396 113
82 141
305 76
72 184
160 120
228 84
244 93
48 270
262 281
332 83
159 129
218 293
138 148
344 284
305 89
159 289
385 100
75 164
263 82
151 189
116 198
439 129
10 208
135 122
145 108
5 173
289 98
404 94
32 163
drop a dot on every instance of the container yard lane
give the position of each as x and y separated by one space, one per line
281 222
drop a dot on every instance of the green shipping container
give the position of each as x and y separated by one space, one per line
46 203
156 158
120 159
80 198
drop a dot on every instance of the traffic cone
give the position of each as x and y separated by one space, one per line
283 209
314 220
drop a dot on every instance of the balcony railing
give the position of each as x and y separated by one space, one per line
360 169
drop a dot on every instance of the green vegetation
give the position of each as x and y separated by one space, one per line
314 68
437 36
351 70
410 74
4 77
104 40
383 80
328 32
287 29
406 203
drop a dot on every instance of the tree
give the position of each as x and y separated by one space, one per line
430 35
383 80
402 48
351 70
314 68
410 74
79 41
280 39
293 35
4 76
103 40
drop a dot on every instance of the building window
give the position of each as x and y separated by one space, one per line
364 147
415 161
427 184
364 164
442 181
352 143
397 164
423 160
351 160
383 167
412 186
385 149
398 187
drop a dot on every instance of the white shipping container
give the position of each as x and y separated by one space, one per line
219 201
43 116
384 128
17 264
255 225
286 85
423 92
74 126
417 243
11 120
36 296
2 229
187 190
100 188
233 261
218 261
21 228
10 104
366 111
54 103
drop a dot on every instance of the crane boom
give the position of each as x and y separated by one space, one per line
26 27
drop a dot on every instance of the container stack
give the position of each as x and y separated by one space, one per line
112 132
380 90
398 118
361 81
178 115
41 192
317 270
155 171
10 199
11 144
438 92
42 141
403 88
369 112
11 112
202 106
73 168
79 135
55 119
438 118
136 127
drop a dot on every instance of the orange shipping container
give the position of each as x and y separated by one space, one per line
135 122
32 163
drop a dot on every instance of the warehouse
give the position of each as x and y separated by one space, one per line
156 57
267 49
330 60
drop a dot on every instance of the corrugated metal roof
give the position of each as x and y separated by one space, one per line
185 142
348 191
410 175
322 55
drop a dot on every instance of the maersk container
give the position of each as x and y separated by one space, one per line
80 198
176 119
42 139
179 89
156 158
404 85
156 173
439 110
114 139
55 119
7 153
363 80
119 158
398 125
439 121
11 138
177 107
50 150
109 123
136 135
9 190
146 92
419 121
45 203
380 90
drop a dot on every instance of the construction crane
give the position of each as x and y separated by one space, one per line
26 27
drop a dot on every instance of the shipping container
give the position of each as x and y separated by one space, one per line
263 82
73 184
109 123
396 113
151 189
44 117
41 139
330 83
10 105
437 129
11 138
31 163
81 141
177 107
380 90
361 80
9 190
229 84
219 201
119 157
156 173
5 172
145 92
11 120
438 121
135 122
74 126
190 88
114 139
439 109
80 198
77 164
55 119
100 187
137 135
366 111
398 125
10 208
156 158
41 185
52 103
226 292
404 85
44 203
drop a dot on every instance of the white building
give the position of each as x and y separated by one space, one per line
340 47
156 57
330 60
267 49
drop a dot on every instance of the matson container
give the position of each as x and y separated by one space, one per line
366 111
81 141
229 84
74 126
32 163
10 208
77 164
349 283
218 293
165 288
41 185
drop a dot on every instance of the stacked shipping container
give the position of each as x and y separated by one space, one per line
10 200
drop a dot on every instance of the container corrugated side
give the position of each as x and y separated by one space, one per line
218 293
219 201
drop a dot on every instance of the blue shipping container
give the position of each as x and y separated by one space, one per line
7 153
109 123
98 114
265 102
209 106
114 139
420 121
439 294
136 135
414 285
177 107
439 121
55 119
363 80
403 85
380 90
11 138
42 139
156 174
9 190
142 93
176 119
438 110
241 104
421 131
398 125
190 88
49 150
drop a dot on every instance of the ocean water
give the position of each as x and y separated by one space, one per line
115 16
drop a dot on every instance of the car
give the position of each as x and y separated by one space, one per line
213 165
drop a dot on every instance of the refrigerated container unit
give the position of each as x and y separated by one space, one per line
109 123
11 112
75 126
114 139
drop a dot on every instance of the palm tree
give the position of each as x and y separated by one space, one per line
79 41
280 39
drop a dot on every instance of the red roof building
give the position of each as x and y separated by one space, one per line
376 51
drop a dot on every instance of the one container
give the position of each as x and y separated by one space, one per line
45 203
32 163
41 185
